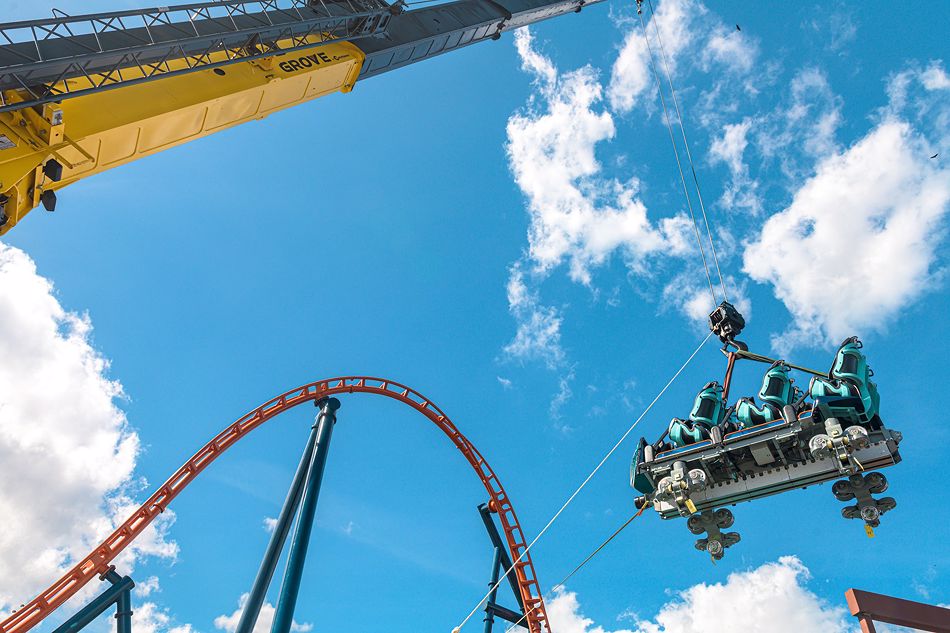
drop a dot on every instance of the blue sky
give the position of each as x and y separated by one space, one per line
502 229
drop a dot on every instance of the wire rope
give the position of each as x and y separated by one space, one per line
581 487
676 154
699 194
583 563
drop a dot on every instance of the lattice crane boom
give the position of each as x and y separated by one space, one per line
82 94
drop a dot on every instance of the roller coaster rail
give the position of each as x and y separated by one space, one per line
98 562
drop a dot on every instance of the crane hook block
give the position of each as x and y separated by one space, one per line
726 322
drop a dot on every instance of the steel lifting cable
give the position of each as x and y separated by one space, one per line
689 155
581 487
676 154
582 563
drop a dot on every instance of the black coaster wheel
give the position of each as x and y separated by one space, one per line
876 482
842 490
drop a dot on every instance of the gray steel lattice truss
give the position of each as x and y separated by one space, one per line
424 33
36 55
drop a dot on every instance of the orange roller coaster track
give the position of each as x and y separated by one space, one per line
97 562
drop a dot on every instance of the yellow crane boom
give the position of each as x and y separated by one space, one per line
77 102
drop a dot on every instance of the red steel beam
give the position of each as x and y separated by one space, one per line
873 607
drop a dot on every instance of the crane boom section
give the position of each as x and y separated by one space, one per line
90 134
82 94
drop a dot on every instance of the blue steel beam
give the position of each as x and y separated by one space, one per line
287 602
121 586
493 584
123 613
255 599
499 544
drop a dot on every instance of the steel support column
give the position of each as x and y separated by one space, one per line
255 599
123 612
500 561
286 603
119 594
489 614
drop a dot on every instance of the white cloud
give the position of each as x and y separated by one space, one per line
742 191
856 245
693 299
505 383
63 440
920 96
731 50
837 27
688 32
148 617
564 614
539 327
576 213
229 623
270 524
564 394
146 587
935 77
631 74
730 147
773 598
803 128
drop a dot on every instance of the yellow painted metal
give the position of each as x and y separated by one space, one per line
96 132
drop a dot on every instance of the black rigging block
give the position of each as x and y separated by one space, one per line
726 322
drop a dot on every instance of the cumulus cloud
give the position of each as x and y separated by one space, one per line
66 449
729 148
564 613
921 96
803 128
800 130
146 587
148 617
857 243
772 598
576 213
730 49
688 31
935 77
539 327
229 623
631 76
694 300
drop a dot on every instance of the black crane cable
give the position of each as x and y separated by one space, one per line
689 155
679 165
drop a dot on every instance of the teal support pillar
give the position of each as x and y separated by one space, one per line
286 603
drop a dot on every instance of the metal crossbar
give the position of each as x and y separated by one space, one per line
38 56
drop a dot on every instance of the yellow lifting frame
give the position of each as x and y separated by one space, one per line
92 133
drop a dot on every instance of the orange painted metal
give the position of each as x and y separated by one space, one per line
727 381
97 562
874 607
